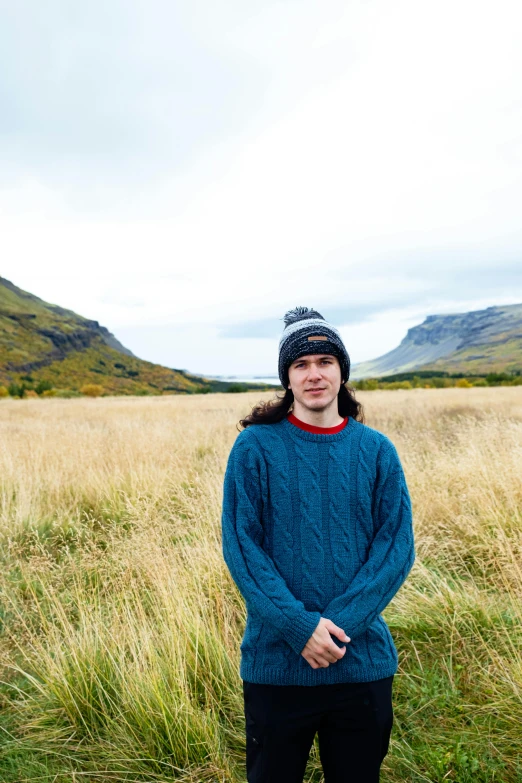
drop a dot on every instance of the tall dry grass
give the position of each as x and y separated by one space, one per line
120 624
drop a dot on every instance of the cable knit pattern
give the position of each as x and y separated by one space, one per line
349 522
274 453
276 458
312 550
341 544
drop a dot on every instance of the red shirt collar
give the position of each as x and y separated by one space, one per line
317 430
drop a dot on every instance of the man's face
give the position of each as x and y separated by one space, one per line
315 380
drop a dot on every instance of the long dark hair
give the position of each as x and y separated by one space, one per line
276 410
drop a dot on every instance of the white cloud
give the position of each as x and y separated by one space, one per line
373 134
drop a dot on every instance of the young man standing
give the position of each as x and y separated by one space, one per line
317 535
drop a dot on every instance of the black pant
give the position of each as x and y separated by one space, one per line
353 721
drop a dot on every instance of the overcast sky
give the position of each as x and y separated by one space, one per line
185 172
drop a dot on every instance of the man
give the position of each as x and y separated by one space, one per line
317 535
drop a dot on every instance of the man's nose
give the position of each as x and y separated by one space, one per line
315 371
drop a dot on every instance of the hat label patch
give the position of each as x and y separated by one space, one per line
318 338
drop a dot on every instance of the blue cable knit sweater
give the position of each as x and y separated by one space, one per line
316 525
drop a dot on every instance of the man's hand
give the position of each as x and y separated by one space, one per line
320 650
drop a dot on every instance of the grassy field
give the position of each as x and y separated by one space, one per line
120 624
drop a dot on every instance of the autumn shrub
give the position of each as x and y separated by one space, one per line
16 389
66 394
92 390
397 385
42 386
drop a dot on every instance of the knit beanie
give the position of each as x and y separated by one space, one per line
306 332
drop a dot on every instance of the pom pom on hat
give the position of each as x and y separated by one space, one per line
299 313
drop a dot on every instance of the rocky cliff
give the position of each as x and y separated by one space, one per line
477 343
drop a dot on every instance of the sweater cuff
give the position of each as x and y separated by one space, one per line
299 629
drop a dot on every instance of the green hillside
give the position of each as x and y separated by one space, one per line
502 353
42 342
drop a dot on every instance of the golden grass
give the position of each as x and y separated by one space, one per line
121 623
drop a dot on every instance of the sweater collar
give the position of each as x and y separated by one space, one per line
317 430
297 432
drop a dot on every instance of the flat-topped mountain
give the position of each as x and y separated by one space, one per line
478 343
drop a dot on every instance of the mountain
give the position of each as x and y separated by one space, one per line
44 342
477 343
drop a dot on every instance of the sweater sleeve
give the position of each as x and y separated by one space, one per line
391 554
254 572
